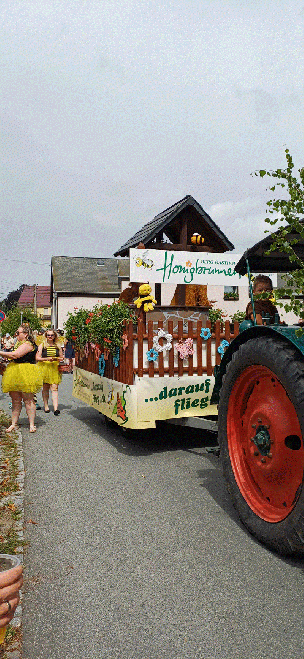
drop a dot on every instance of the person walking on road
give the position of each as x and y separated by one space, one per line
22 378
49 355
69 354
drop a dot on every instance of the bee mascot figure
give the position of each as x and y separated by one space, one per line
145 298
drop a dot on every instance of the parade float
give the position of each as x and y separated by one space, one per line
160 362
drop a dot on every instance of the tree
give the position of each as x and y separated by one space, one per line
13 320
290 211
11 299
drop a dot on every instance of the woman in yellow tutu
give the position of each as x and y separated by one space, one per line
22 378
48 356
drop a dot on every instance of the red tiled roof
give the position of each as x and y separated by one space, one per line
43 296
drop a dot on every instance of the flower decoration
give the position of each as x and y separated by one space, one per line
188 264
86 350
152 355
116 358
125 341
101 365
205 333
221 348
161 334
185 348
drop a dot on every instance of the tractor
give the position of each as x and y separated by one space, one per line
261 418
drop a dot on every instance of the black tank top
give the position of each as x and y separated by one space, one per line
29 358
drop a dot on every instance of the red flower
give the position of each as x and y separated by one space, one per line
107 341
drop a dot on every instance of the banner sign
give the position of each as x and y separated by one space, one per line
149 400
174 397
169 267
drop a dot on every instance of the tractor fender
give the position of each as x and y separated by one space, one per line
287 334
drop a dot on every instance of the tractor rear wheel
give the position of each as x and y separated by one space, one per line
261 430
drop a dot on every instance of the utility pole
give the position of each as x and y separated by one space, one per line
35 299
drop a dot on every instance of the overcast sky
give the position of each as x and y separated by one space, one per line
112 110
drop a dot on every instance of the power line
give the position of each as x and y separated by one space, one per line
32 262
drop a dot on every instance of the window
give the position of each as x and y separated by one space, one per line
231 292
46 311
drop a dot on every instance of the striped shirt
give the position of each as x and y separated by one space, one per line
51 351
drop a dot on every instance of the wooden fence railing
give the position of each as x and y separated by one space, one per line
133 360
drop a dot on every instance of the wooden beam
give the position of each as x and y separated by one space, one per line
183 233
177 247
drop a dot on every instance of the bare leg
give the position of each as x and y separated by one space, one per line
30 410
16 397
54 389
45 395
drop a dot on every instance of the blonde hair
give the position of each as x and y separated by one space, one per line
27 330
57 341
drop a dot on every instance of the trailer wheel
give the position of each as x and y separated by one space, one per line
261 429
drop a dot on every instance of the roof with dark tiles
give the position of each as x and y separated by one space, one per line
43 294
86 275
163 219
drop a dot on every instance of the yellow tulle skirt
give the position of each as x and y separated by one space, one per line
49 372
22 377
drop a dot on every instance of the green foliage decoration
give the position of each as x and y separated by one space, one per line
104 325
216 314
238 316
13 320
76 327
231 296
290 211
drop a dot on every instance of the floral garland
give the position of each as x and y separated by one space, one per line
152 355
185 348
161 334
205 333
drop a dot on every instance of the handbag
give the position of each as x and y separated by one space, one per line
2 367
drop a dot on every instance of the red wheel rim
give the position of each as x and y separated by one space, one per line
270 483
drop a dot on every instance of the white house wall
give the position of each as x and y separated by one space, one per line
68 304
230 307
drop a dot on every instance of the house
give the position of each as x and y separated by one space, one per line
78 281
37 298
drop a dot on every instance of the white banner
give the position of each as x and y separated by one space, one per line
166 267
150 399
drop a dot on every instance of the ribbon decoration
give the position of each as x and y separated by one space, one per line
205 333
101 365
116 357
161 334
221 348
152 355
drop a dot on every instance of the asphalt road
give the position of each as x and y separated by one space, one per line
136 552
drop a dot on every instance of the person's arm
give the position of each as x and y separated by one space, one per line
20 352
10 584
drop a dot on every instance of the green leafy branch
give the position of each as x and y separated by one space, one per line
290 211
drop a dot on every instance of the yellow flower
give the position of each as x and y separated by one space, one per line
188 264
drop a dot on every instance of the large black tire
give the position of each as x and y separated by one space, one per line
265 366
